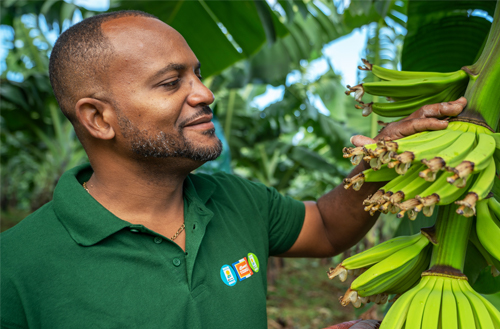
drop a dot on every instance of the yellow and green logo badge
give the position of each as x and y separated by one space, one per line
254 262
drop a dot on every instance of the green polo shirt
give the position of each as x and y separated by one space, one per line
73 264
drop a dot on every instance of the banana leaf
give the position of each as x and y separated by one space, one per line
474 264
486 283
206 26
443 36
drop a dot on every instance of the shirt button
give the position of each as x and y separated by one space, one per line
157 239
176 262
134 230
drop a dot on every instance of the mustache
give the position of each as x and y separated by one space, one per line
203 111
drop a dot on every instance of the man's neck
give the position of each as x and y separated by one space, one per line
149 195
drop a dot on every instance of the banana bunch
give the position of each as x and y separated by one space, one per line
391 267
429 169
408 91
442 302
457 169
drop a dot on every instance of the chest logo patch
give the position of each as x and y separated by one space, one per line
227 275
254 262
240 270
243 270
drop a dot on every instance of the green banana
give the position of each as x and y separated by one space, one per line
394 261
387 74
412 275
382 196
481 314
409 177
492 310
425 150
406 187
440 193
475 161
409 191
430 318
373 255
454 153
414 317
383 282
488 229
408 106
413 87
494 206
370 175
449 311
398 313
495 263
478 191
465 312
409 141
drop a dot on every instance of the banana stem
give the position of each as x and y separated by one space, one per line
452 232
482 92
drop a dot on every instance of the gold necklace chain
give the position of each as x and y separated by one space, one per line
179 231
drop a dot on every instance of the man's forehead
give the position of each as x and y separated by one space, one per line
136 28
145 42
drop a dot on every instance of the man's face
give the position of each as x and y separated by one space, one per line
161 105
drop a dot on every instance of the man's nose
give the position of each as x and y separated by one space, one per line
200 94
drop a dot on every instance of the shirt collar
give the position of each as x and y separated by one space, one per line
87 221
199 188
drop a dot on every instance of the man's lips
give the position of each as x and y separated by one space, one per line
204 121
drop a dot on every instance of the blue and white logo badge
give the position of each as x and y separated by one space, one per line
227 275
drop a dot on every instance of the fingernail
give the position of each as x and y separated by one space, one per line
350 140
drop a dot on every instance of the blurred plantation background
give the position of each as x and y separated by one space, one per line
246 47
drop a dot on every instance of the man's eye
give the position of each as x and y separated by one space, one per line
171 83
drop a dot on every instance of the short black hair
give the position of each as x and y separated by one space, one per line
80 57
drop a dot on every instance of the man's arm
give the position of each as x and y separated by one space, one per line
337 220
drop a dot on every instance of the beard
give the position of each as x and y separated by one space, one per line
160 144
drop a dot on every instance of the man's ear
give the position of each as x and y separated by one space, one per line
96 117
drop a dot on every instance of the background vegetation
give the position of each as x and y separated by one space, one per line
245 46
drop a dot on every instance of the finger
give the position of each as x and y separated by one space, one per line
360 140
440 110
414 126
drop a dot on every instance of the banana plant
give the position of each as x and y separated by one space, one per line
453 172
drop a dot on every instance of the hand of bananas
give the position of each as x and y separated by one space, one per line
429 169
441 302
407 91
391 267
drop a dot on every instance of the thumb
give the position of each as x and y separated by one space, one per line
360 140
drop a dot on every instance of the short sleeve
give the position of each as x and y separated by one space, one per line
285 220
280 216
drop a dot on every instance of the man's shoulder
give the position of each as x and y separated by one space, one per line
28 232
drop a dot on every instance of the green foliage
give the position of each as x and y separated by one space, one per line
219 32
446 32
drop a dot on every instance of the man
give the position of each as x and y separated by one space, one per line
137 241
